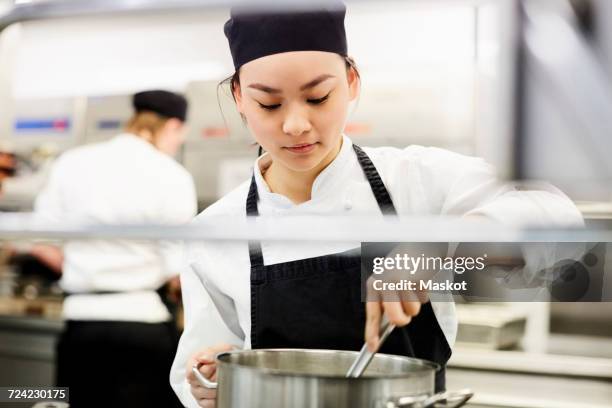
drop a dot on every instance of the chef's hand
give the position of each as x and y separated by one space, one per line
400 306
174 289
399 313
205 397
7 166
50 255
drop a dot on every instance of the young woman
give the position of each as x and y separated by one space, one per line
293 86
119 339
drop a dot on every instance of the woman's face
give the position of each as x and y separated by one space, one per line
296 105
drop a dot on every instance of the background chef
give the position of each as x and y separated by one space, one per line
119 339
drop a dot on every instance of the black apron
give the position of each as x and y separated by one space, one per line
316 303
117 363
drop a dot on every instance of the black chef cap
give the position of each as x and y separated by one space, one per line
255 34
163 103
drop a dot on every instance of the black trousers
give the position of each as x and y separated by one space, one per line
117 364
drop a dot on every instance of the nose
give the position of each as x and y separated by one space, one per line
296 122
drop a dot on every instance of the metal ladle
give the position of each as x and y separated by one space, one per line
365 356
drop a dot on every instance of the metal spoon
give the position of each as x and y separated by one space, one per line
365 356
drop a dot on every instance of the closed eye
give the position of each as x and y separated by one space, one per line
319 101
269 107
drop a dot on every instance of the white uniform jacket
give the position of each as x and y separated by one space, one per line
125 180
421 181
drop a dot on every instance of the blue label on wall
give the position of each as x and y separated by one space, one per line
109 124
55 125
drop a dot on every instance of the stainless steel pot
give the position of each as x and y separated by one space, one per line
295 378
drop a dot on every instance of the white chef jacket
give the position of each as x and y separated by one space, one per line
421 181
125 180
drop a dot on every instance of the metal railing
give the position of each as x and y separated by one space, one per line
300 229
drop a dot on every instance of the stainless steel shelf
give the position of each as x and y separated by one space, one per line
532 363
311 228
515 390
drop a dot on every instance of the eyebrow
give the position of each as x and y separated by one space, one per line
316 82
309 85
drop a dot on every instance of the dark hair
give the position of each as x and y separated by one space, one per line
234 81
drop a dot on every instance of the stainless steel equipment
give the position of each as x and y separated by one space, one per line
365 355
280 378
491 327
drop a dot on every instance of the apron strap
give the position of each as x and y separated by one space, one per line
376 184
255 252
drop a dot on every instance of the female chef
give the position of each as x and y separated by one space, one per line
119 339
293 85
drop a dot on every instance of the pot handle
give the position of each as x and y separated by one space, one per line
448 399
205 382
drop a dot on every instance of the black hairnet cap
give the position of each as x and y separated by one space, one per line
163 103
255 34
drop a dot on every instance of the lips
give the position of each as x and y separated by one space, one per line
302 148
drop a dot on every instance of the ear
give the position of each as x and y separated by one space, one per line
238 98
174 123
354 83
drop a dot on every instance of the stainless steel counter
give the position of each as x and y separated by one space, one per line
512 379
27 350
28 334
500 379
518 390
